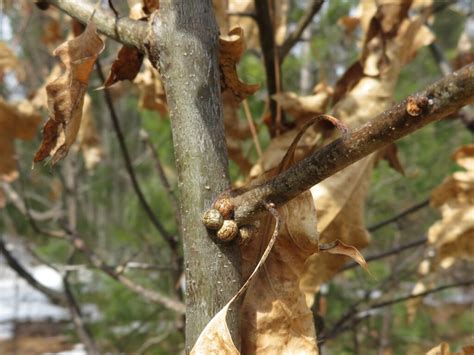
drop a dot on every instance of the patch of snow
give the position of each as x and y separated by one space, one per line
48 277
78 349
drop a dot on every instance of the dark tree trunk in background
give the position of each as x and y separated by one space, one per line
186 36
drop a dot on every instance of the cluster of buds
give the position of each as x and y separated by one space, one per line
220 219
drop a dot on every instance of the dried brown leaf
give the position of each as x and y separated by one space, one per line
339 248
216 338
17 121
126 66
444 349
453 235
275 318
231 49
464 156
303 108
66 94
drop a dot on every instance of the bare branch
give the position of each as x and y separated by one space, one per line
161 174
305 20
354 317
435 102
123 30
55 296
401 248
169 239
82 329
54 213
464 283
271 63
400 215
97 262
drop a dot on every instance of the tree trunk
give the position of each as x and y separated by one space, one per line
185 35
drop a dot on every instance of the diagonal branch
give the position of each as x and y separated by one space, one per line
295 36
400 215
55 296
148 294
354 317
435 102
123 30
83 331
169 239
394 251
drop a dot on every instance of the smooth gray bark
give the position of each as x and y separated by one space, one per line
184 44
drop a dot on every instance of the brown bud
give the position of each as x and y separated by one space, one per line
212 219
247 232
225 207
228 231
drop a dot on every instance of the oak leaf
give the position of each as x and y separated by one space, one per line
129 59
444 349
231 49
453 235
66 94
17 121
126 66
391 38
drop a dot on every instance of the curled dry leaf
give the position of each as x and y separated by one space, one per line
444 349
231 49
391 39
339 248
453 235
126 66
17 121
274 315
129 59
66 94
303 108
216 338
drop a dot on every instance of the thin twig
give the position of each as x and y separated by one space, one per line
170 239
55 296
253 130
161 174
401 248
97 262
305 20
421 294
398 216
356 316
83 331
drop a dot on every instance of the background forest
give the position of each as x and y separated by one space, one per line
392 207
